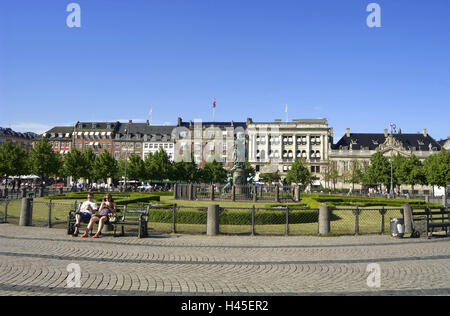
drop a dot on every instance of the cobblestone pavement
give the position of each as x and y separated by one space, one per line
33 261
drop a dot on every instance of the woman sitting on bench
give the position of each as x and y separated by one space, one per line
106 208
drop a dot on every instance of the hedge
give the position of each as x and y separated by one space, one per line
235 217
119 198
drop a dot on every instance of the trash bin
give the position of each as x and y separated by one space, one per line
397 227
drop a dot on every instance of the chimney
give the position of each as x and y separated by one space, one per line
399 130
249 121
148 122
331 132
347 133
425 133
179 121
130 121
386 132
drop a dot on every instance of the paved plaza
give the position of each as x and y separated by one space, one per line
33 261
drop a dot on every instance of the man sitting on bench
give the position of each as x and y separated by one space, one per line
85 213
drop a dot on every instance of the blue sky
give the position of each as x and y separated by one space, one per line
254 56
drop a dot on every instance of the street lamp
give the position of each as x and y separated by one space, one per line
391 193
126 159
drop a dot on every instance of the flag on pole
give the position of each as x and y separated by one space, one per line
214 103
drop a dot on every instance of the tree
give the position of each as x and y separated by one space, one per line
160 165
74 165
89 160
136 168
331 173
416 172
270 177
13 161
213 172
299 174
44 162
379 171
355 174
437 169
105 166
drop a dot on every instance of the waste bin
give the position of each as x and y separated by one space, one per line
397 227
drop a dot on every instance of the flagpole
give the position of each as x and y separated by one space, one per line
214 110
287 115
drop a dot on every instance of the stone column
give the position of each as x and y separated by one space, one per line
26 212
324 220
213 222
407 215
297 193
175 191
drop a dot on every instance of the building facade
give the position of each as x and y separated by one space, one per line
360 147
60 138
99 136
23 140
274 146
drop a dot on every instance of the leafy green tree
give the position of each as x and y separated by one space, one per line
160 166
136 168
299 174
150 167
213 172
437 169
379 171
89 160
409 171
74 165
270 177
104 167
331 173
13 161
43 161
355 174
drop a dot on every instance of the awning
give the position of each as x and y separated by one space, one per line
103 133
91 143
97 133
96 144
91 134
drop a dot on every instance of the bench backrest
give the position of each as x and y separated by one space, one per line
131 213
441 214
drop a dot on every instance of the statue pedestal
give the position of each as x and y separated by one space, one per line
240 181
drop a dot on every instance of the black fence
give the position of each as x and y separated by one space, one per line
204 192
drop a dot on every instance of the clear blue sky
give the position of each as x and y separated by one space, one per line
254 56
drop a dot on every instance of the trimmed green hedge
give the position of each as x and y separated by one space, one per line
235 217
334 201
119 198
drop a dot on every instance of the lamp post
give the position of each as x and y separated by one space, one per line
126 159
391 193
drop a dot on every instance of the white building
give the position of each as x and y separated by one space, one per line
276 145
156 138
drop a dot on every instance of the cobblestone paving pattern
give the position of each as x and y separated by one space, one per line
33 261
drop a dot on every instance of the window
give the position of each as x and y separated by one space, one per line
117 145
138 145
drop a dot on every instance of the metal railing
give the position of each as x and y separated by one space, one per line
278 220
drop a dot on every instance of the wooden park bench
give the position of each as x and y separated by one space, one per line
425 221
125 216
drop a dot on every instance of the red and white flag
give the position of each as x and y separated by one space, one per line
214 103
